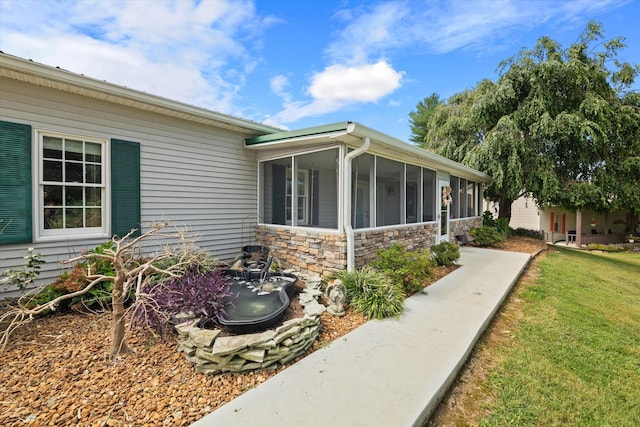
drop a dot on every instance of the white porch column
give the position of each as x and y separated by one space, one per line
578 227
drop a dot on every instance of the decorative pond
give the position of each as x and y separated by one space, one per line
257 304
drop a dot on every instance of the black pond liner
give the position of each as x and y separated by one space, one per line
247 312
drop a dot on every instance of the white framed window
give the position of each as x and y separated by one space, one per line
302 197
71 194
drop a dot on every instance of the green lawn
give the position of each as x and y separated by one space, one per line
575 359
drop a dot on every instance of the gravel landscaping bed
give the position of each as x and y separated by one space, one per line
57 371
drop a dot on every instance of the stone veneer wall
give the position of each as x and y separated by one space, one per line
463 227
308 251
319 253
212 354
412 237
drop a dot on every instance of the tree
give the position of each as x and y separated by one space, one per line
557 125
420 118
132 272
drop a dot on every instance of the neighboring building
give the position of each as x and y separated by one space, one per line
580 227
82 160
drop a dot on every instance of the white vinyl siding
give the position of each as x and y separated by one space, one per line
192 174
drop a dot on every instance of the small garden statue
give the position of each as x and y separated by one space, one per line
336 294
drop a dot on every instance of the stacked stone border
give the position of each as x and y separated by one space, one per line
318 252
213 354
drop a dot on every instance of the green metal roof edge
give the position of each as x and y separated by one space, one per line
282 136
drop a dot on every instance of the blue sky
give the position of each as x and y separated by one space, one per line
293 64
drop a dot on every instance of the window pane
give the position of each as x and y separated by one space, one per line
318 174
73 149
53 218
302 189
454 211
93 196
411 205
52 170
53 195
94 217
471 198
361 188
52 148
93 152
73 196
73 218
389 175
73 172
94 174
428 195
462 198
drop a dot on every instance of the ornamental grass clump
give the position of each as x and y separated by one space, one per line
411 269
202 294
372 293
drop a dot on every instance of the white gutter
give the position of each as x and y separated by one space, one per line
346 197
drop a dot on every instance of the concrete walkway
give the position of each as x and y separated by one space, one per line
386 373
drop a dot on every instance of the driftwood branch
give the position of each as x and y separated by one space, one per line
130 272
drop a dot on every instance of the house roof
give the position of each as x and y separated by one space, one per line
261 136
352 134
16 68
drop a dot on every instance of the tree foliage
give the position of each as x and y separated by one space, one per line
561 125
420 118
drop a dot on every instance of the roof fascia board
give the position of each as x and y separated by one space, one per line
63 77
327 131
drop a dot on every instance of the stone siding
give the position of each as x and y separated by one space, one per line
319 253
305 250
413 237
462 227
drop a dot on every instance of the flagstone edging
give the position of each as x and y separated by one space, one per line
213 354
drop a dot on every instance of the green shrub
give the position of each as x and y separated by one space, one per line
606 248
27 275
98 297
528 233
487 219
445 253
372 293
487 236
500 224
409 268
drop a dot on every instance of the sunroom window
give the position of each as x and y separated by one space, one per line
310 200
71 185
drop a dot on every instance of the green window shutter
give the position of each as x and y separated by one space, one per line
15 183
279 188
125 187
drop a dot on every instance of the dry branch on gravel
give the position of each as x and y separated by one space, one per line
131 272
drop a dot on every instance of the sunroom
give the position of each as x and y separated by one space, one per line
330 196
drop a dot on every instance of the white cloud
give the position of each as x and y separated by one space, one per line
184 50
278 84
362 83
338 86
441 27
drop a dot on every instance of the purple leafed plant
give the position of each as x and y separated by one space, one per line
203 294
